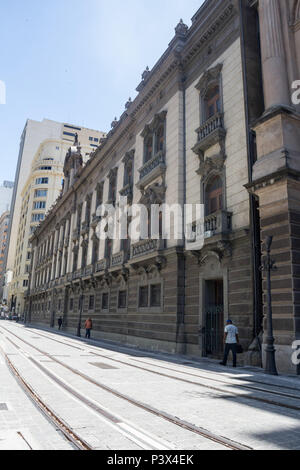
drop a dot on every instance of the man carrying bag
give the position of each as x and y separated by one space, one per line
231 340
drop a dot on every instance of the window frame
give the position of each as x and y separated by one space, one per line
149 284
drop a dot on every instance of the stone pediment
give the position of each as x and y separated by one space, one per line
211 164
209 77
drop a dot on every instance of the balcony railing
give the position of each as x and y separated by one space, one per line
212 124
146 247
217 223
102 265
210 133
118 259
154 166
89 270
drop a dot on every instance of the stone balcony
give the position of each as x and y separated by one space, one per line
88 270
146 247
210 133
118 259
102 265
217 223
150 170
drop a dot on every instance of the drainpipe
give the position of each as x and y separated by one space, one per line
254 215
180 333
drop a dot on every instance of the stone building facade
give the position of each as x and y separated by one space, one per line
275 174
187 138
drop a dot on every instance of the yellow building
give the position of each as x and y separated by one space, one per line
40 191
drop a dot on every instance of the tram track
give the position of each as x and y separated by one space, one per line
48 412
159 366
240 386
204 433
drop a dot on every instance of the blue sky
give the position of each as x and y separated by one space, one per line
77 61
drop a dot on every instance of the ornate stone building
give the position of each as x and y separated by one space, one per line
275 175
189 137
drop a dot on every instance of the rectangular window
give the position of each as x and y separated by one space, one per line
143 297
71 134
155 295
105 300
81 303
40 193
71 305
91 302
122 302
72 127
42 181
39 205
38 217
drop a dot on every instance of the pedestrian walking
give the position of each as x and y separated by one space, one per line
231 340
60 322
88 327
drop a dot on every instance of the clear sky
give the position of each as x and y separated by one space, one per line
77 61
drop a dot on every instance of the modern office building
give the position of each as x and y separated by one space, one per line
38 184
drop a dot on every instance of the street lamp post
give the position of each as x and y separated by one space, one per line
80 312
268 266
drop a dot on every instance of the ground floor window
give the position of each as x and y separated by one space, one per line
122 301
105 301
91 302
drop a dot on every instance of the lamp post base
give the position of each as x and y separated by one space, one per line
270 361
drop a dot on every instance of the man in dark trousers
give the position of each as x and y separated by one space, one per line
231 340
88 328
60 322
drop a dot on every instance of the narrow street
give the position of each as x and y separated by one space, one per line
99 396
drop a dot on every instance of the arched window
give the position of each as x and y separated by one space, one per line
214 196
160 139
148 148
128 174
95 255
212 102
113 189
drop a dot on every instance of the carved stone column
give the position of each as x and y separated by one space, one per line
276 89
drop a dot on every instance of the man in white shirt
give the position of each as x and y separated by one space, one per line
231 340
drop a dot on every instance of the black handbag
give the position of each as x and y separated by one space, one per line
239 349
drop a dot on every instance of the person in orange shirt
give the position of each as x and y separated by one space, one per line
88 327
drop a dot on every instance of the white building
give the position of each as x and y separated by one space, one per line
38 183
